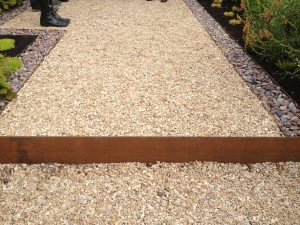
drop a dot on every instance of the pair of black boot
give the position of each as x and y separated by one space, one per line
49 18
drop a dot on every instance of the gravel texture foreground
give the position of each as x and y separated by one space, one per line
134 68
139 68
198 193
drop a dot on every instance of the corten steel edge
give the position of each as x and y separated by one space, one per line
79 150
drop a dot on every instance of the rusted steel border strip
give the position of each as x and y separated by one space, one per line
78 150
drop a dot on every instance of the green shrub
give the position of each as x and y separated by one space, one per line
7 66
6 4
272 30
6 43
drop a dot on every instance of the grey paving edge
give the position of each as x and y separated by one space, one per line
32 56
282 107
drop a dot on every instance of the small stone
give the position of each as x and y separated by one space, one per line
271 104
275 91
160 194
283 120
292 108
287 202
283 107
272 111
276 103
286 103
279 113
268 93
280 100
287 124
264 98
294 128
267 107
15 80
287 132
290 114
285 112
276 117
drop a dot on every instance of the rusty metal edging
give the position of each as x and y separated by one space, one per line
79 150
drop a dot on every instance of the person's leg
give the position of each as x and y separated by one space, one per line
49 17
56 2
35 5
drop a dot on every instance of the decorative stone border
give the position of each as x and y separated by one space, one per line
284 109
6 16
32 56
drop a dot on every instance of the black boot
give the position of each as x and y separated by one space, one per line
60 18
49 17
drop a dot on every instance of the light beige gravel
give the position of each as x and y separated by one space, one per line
140 68
134 67
197 193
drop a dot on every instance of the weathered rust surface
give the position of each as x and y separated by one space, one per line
78 150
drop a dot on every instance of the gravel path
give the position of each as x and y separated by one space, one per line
160 194
284 109
131 68
170 79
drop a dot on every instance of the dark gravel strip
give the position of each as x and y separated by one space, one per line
32 56
284 109
6 16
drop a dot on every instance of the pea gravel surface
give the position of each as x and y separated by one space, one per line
134 67
133 193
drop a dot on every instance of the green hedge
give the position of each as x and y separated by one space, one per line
6 4
272 30
7 66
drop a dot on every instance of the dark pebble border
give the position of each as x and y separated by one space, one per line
34 53
283 108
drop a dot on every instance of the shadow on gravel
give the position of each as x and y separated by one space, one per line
21 43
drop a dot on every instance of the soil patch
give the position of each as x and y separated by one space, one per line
21 43
289 84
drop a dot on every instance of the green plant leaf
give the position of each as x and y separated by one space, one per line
10 95
6 44
3 91
4 84
10 64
